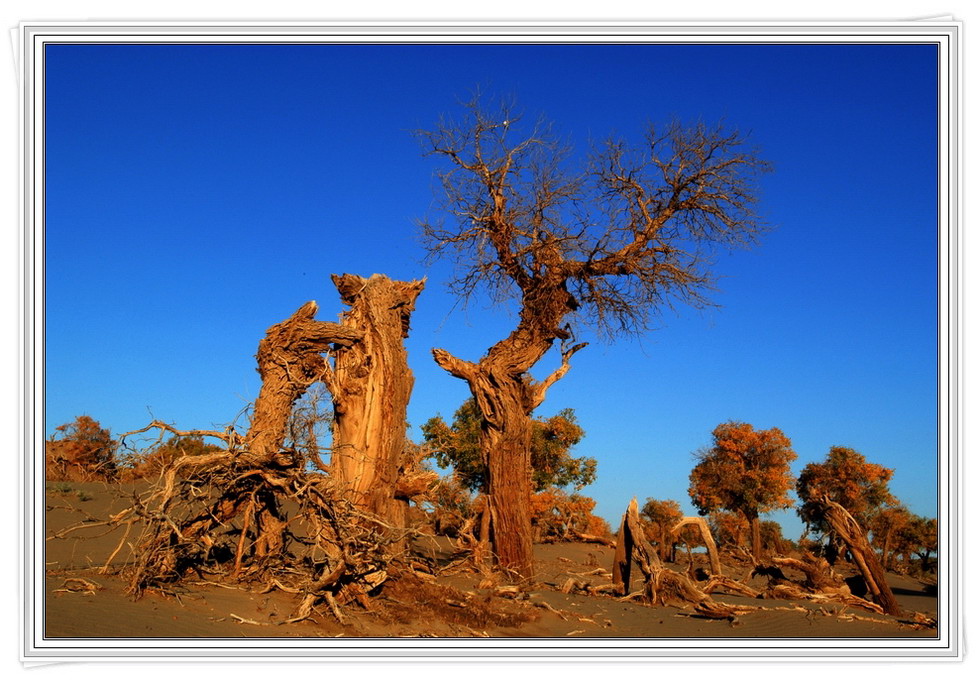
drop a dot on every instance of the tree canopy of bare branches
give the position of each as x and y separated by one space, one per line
633 231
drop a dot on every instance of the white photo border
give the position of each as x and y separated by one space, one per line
946 34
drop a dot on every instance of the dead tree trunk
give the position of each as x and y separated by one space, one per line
855 538
506 436
290 359
371 384
629 538
709 541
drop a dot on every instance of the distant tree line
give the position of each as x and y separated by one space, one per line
745 474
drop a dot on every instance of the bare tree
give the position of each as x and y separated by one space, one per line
610 246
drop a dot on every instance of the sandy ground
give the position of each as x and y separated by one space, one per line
197 609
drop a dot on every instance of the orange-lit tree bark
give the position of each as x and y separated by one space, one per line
291 357
745 471
609 245
371 383
663 586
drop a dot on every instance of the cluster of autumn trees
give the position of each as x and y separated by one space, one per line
745 474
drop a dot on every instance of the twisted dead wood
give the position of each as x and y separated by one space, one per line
662 586
855 538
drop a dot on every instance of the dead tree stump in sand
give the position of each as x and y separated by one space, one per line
371 383
225 513
290 359
662 586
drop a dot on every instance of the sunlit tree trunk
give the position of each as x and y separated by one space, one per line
508 440
506 397
371 384
850 532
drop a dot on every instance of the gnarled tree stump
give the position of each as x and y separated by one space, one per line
371 383
662 586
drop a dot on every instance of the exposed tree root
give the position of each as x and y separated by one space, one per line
243 519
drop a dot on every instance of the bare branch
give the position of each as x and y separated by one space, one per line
457 367
229 437
541 389
633 235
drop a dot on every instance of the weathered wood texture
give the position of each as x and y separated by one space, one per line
290 359
855 538
506 396
662 586
371 384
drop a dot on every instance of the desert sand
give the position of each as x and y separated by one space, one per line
85 597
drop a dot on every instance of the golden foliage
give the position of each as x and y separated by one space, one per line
559 516
848 479
745 470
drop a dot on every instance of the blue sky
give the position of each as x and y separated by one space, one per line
195 195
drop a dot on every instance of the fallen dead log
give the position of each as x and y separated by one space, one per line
592 538
791 592
720 582
820 583
820 575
